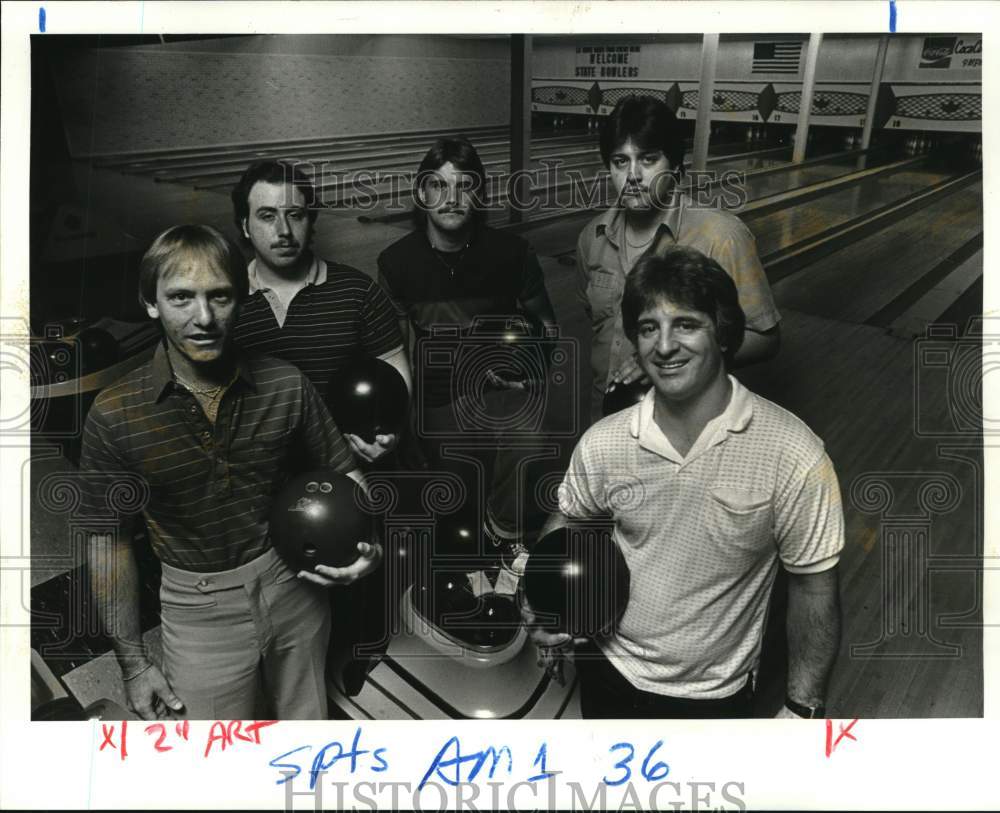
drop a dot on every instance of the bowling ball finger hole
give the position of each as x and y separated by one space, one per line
309 551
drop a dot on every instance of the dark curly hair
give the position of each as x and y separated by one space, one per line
686 277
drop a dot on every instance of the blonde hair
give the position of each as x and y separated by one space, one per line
181 242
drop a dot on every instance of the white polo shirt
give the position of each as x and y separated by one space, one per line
702 534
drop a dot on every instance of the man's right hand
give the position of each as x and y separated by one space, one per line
553 647
149 695
628 372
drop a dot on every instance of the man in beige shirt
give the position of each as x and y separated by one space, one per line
643 148
711 489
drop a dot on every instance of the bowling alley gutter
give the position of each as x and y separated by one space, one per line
785 262
763 205
803 194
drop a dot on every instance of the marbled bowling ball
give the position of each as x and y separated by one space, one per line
318 518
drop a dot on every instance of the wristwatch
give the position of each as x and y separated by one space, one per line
808 712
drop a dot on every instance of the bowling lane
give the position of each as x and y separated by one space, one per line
881 267
554 187
791 225
191 164
744 160
137 163
558 237
796 177
210 174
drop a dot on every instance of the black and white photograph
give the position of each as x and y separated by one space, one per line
503 376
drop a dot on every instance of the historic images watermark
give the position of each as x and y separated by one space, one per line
555 186
552 794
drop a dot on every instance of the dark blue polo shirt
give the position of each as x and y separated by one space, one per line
444 295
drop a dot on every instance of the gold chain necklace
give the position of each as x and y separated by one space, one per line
214 391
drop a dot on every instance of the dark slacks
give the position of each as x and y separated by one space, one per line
607 694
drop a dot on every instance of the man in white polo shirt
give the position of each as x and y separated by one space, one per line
710 487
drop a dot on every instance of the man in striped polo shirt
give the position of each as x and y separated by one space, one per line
709 487
213 433
318 315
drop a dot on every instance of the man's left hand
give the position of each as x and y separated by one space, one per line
785 713
324 576
370 452
500 383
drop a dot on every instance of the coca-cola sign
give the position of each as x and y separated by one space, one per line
937 52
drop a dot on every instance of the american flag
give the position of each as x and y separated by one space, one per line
776 57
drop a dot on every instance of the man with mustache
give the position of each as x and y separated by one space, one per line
710 488
445 278
213 433
643 148
316 314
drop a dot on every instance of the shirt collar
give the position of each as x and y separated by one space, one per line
734 418
611 223
159 378
315 276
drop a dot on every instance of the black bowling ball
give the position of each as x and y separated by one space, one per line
97 349
446 594
577 581
459 536
368 397
622 397
485 621
318 518
501 346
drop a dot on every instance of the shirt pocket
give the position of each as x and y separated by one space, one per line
604 294
739 520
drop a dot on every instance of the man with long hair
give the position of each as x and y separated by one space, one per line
453 281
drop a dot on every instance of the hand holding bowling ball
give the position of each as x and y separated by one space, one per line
321 526
368 398
577 582
622 397
629 385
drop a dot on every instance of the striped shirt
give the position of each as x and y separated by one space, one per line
210 486
602 266
703 534
339 314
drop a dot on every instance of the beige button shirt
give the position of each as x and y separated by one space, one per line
602 267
